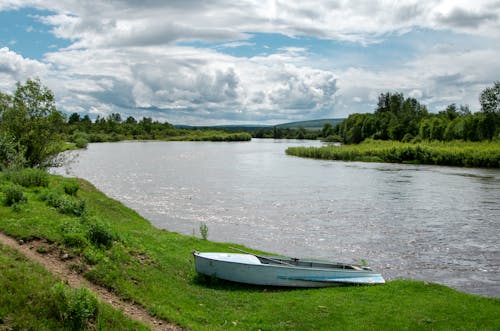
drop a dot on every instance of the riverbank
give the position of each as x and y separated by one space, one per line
81 139
123 252
455 153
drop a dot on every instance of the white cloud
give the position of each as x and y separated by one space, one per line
104 23
436 78
14 68
126 55
184 81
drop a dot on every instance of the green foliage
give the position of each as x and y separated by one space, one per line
32 121
74 234
11 153
204 231
100 233
77 308
71 187
32 299
456 153
28 177
400 119
80 139
112 128
92 255
490 99
13 194
64 204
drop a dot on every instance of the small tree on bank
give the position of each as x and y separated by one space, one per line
30 125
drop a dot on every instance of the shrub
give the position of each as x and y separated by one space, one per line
17 208
81 143
100 234
71 206
63 204
77 308
71 188
74 234
29 177
13 194
11 153
81 139
204 231
92 256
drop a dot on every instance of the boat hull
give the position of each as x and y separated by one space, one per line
248 269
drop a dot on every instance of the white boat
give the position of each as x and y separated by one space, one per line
280 271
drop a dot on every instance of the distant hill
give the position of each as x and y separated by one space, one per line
308 125
311 125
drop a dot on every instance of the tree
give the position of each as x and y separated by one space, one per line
32 121
490 99
85 123
327 130
74 118
131 120
277 132
451 112
11 154
147 124
301 133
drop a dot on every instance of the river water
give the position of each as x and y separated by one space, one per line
438 224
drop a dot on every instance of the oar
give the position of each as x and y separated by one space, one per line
263 257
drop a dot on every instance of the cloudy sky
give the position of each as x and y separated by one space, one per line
234 62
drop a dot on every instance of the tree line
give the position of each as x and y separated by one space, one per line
405 119
33 132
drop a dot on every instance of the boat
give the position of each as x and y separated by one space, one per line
281 271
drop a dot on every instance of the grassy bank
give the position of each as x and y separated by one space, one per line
32 299
123 252
455 153
81 139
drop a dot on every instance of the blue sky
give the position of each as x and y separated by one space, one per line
221 62
22 32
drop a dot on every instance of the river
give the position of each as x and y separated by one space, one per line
433 223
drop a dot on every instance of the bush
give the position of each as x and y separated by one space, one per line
13 194
81 143
71 188
100 234
11 153
80 139
92 256
77 308
74 234
29 177
63 204
71 206
204 231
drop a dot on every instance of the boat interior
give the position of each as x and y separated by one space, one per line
295 262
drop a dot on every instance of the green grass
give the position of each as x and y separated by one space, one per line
32 299
455 153
155 268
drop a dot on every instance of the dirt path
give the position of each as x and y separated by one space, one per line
56 263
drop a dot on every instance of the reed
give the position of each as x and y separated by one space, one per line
455 153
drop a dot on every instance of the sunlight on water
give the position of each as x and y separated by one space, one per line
438 224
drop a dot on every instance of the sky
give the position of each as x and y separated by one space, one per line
200 62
